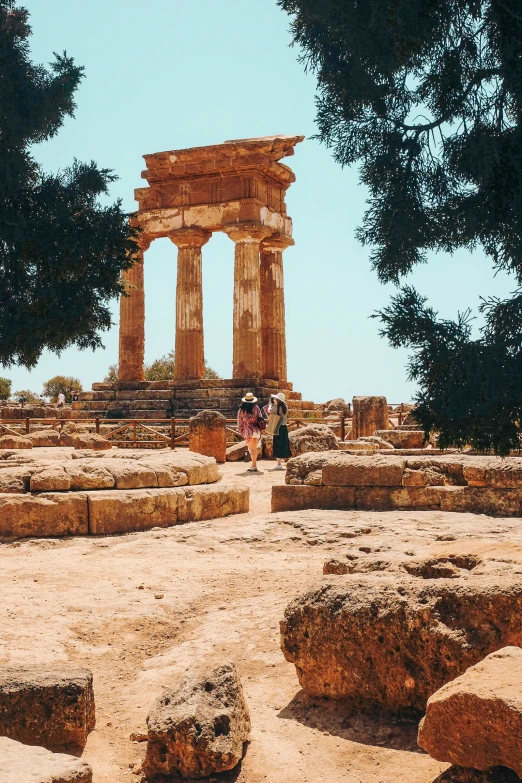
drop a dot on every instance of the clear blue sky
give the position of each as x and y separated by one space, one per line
169 74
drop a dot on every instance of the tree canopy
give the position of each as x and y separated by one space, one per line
66 384
61 252
426 97
161 369
5 388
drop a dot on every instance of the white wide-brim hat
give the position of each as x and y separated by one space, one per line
249 397
279 396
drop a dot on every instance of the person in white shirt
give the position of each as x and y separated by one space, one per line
61 400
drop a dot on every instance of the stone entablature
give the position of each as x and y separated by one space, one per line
239 188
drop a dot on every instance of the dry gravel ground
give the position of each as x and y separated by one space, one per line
139 608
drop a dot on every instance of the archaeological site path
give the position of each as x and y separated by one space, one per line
138 608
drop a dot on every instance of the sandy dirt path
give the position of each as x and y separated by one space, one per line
138 609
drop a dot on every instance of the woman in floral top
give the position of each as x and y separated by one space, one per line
248 417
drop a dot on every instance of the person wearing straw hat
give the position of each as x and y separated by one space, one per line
281 443
249 423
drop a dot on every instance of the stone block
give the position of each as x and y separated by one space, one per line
476 719
131 474
49 514
369 415
374 471
207 435
14 480
313 437
15 442
237 451
45 438
25 764
287 497
222 500
403 439
388 642
388 498
200 727
482 500
52 478
91 441
495 472
51 706
125 511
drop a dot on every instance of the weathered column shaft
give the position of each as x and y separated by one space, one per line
273 333
132 320
189 351
247 362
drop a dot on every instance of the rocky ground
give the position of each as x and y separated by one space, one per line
137 609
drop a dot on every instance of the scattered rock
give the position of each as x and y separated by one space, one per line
378 441
45 438
90 440
24 764
237 451
476 720
313 437
299 468
51 706
15 442
200 727
389 642
337 406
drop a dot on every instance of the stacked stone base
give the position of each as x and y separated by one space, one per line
333 480
180 399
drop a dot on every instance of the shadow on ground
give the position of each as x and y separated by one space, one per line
335 718
461 775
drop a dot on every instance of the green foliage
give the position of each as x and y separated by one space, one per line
61 383
161 369
5 388
30 396
61 252
426 97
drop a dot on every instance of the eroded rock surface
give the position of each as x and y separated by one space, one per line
476 720
389 642
15 442
313 437
200 727
25 764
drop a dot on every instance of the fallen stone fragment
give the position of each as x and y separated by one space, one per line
91 441
298 468
369 415
208 434
25 764
388 642
14 480
52 706
45 438
375 471
236 451
200 727
15 442
476 720
313 437
403 439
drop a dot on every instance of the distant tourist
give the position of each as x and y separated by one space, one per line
61 400
250 424
22 400
281 443
43 401
75 397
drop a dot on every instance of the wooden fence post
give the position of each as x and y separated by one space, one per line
173 433
343 430
97 422
27 425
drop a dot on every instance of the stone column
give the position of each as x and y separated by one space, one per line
273 335
189 353
132 319
369 414
247 361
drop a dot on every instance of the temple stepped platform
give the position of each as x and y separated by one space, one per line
180 399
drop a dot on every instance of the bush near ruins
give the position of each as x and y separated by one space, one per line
161 369
426 97
30 396
61 383
5 388
61 251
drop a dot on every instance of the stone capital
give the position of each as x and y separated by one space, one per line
190 237
247 232
144 241
276 242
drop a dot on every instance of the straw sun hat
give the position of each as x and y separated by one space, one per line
249 397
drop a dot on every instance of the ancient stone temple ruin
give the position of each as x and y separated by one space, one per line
237 187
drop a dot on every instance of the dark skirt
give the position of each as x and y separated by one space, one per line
281 446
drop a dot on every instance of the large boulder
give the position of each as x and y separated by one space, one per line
313 437
24 764
338 405
200 727
388 641
476 719
90 440
52 706
307 468
15 442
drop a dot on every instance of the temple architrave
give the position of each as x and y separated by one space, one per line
237 187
